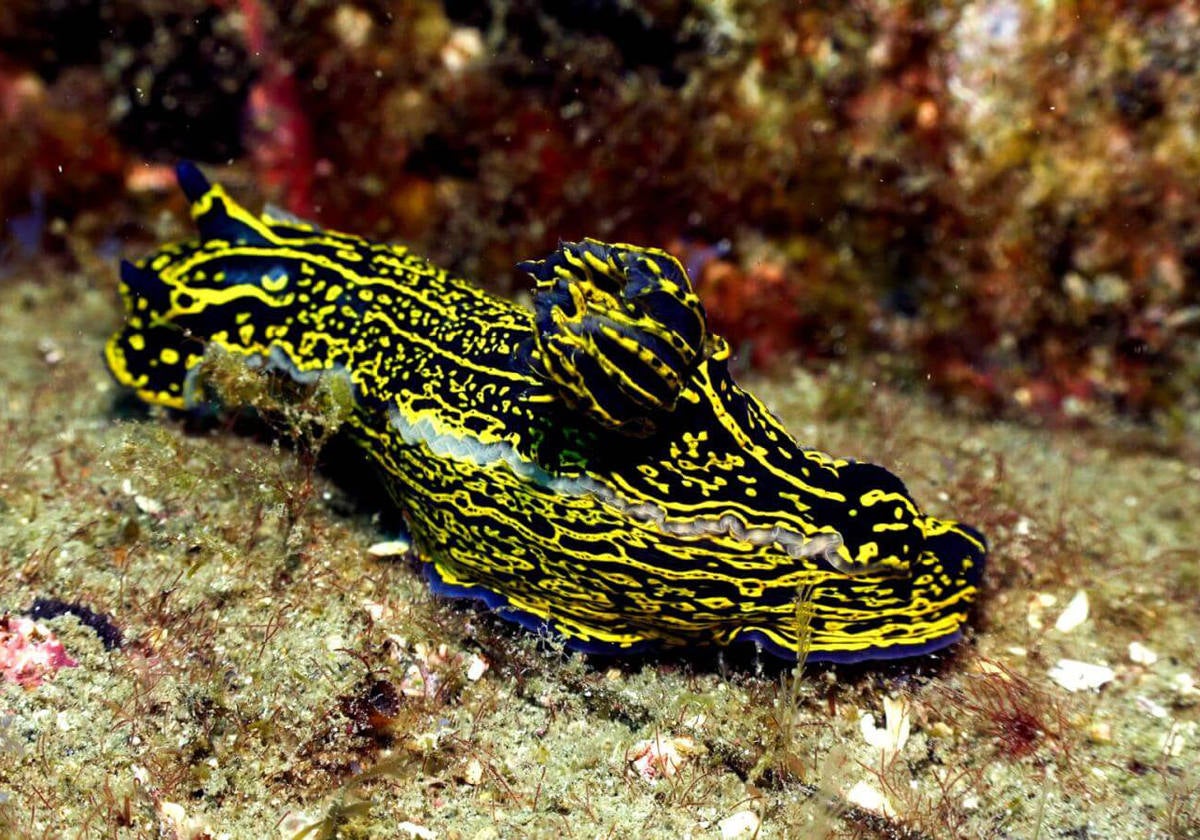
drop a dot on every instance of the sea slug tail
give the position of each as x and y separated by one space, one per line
218 217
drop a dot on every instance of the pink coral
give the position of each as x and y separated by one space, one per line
29 652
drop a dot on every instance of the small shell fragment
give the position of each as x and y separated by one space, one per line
1074 614
892 737
390 548
1141 655
741 825
1184 687
473 773
377 610
1038 604
1074 675
661 756
180 825
147 505
476 667
417 832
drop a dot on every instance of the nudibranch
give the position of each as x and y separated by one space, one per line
588 468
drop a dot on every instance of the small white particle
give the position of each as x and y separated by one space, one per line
1175 740
1151 708
297 824
390 548
476 667
147 505
473 772
1038 604
892 737
660 757
1184 685
739 825
867 797
1141 654
463 47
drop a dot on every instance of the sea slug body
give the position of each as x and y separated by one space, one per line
589 468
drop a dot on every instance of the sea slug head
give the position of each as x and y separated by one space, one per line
878 521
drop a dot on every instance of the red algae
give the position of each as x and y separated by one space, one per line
29 652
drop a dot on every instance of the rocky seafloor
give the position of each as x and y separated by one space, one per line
961 240
243 665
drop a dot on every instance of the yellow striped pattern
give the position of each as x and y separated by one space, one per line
590 467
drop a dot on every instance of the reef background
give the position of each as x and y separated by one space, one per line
958 239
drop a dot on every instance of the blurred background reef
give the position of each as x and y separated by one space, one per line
997 199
